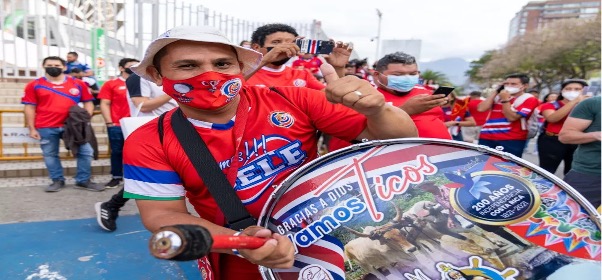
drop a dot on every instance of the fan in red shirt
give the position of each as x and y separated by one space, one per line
309 62
396 77
506 124
114 106
277 43
550 150
258 135
456 116
47 103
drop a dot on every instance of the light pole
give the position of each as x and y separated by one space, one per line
380 17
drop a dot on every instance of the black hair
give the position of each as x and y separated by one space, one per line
476 93
125 61
573 81
524 79
396 57
73 53
548 95
243 42
262 32
54 58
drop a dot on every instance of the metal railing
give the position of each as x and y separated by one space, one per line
33 29
26 145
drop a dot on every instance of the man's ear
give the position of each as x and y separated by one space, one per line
154 73
242 65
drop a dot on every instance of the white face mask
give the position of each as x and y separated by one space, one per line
570 95
512 90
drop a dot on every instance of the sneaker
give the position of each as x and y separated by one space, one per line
56 186
106 216
115 182
88 185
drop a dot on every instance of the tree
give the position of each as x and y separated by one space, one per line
564 49
476 65
436 77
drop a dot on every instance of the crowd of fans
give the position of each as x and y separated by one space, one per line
567 124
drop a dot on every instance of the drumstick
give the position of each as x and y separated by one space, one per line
191 242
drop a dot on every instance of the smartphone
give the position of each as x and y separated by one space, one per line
315 46
444 90
500 88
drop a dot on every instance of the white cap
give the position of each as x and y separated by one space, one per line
248 57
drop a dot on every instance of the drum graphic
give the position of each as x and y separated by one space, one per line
432 209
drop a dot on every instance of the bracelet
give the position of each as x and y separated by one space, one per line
234 250
109 123
505 101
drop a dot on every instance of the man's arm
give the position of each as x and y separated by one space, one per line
510 114
89 106
383 121
105 110
572 132
30 116
277 252
140 90
148 104
486 104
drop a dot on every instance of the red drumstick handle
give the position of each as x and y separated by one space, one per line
237 242
190 242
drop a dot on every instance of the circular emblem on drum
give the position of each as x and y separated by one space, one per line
496 198
74 91
314 272
281 119
231 87
299 82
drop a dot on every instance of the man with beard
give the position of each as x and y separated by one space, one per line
277 43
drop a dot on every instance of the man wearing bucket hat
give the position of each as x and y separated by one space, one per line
257 135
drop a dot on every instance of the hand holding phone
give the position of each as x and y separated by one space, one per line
444 90
315 46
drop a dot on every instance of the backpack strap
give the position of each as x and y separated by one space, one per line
160 127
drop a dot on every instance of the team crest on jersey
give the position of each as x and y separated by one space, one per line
299 82
281 119
231 87
74 91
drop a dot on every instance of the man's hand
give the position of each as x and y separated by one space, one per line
340 54
277 252
33 133
422 103
279 52
504 95
352 92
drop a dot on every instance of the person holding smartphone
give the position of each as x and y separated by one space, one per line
510 110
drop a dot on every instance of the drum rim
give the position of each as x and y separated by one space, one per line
284 185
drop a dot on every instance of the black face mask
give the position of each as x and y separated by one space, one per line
54 71
279 62
129 71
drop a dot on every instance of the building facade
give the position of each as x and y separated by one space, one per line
536 15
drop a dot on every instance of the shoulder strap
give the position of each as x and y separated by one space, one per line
160 127
206 166
521 99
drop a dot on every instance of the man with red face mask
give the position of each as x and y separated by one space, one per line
200 69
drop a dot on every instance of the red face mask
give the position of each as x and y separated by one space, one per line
207 91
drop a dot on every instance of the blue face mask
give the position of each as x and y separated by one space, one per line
403 83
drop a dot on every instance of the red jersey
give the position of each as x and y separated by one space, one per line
479 117
116 92
312 65
279 137
554 106
53 101
430 124
498 127
284 77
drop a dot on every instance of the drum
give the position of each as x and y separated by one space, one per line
432 209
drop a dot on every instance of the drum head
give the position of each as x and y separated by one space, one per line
432 209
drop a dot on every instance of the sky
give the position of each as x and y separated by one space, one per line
455 28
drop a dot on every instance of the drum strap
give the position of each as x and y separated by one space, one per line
206 166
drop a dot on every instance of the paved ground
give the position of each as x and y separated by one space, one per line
55 236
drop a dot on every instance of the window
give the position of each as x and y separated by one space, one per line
590 4
590 11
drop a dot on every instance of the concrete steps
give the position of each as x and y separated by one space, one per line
36 168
